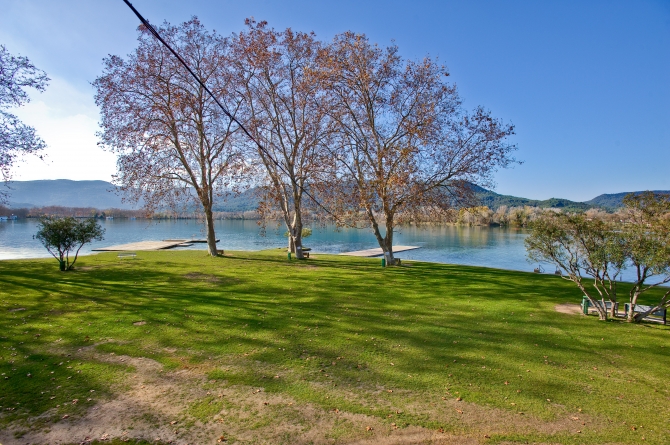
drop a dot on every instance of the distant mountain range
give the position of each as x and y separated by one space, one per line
65 193
101 195
97 194
494 200
615 200
610 202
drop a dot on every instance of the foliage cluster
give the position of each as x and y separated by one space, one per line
62 235
614 201
601 248
16 138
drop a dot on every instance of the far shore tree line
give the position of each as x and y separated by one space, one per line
505 216
92 212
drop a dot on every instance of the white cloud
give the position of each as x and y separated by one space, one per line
66 118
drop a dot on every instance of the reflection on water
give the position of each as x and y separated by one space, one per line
17 237
477 246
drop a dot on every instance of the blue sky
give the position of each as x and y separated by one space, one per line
587 83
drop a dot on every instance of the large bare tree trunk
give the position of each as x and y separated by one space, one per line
295 232
296 242
386 241
211 236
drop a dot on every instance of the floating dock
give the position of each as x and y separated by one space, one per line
378 251
151 245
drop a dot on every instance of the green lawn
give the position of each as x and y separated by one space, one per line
333 344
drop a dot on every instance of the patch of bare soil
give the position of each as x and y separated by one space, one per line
417 436
86 268
480 422
568 308
202 277
184 407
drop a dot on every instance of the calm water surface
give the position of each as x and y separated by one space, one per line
477 246
480 246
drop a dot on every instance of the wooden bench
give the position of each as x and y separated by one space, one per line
305 254
123 255
608 305
640 308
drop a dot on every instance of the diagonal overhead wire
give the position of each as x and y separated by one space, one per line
155 33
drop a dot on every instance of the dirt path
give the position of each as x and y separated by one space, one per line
184 407
568 308
154 406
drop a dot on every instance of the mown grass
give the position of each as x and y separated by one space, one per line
338 332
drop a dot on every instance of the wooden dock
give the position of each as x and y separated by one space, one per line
200 240
150 245
378 251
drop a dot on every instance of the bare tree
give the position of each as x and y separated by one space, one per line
16 138
405 143
172 139
287 114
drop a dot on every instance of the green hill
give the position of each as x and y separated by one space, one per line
494 200
615 200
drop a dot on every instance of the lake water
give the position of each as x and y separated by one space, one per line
477 246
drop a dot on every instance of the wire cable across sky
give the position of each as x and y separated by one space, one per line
155 33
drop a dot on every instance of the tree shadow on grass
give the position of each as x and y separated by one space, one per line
495 324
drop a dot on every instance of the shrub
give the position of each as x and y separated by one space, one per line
60 236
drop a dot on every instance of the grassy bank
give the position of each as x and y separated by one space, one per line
252 348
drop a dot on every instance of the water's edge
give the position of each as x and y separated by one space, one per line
496 247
